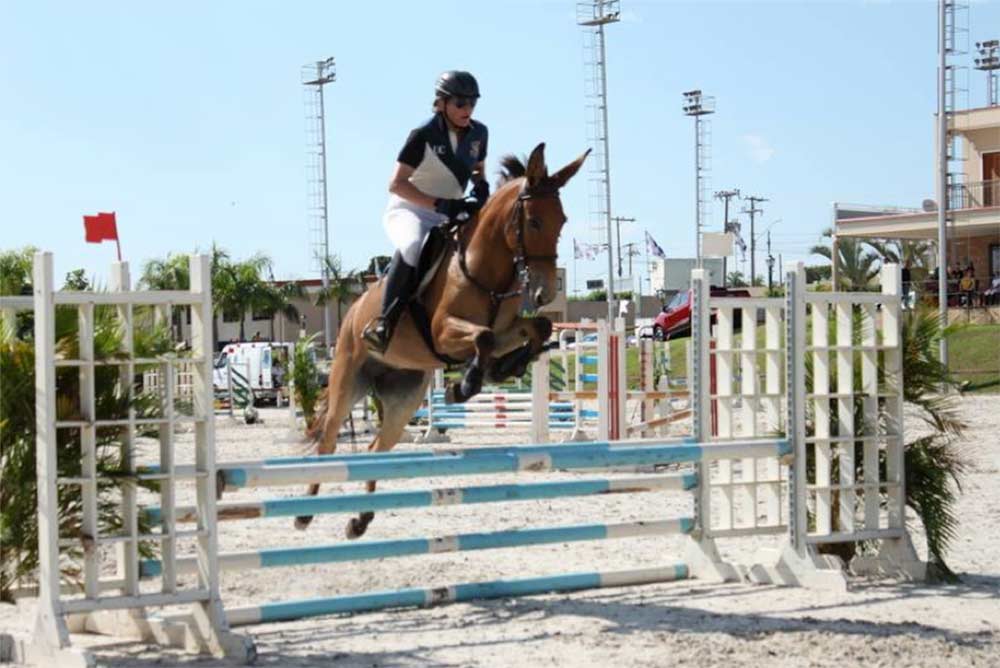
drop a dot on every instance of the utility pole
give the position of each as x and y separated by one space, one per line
753 211
631 252
618 220
725 196
324 74
770 263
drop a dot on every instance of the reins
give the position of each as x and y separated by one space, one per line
522 269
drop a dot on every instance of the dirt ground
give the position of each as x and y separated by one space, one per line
681 623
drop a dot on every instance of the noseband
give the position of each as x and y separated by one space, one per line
522 268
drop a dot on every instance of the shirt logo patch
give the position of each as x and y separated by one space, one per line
439 149
474 149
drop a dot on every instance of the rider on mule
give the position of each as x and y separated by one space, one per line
478 277
428 185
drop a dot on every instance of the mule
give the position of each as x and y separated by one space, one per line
470 308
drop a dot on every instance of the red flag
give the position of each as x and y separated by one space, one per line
102 227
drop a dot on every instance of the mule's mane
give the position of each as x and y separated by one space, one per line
511 167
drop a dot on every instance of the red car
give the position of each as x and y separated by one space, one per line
675 319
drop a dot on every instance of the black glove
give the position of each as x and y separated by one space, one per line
481 191
455 208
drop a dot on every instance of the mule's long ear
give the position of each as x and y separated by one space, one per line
536 171
569 171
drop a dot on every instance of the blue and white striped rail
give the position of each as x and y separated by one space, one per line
185 470
497 424
452 496
410 598
585 456
382 549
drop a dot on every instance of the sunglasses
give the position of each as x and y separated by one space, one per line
463 102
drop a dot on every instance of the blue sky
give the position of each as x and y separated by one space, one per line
187 119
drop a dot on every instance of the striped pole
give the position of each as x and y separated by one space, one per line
365 551
183 470
378 501
409 598
590 456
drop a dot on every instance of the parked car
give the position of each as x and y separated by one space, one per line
675 319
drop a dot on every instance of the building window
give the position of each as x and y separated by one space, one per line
263 315
231 316
994 260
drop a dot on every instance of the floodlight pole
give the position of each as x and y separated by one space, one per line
942 176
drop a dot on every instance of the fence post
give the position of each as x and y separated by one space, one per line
540 399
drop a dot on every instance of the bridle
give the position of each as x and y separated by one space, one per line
522 259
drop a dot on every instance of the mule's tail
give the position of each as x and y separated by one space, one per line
317 427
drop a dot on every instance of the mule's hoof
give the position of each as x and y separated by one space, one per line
472 383
451 394
355 529
302 522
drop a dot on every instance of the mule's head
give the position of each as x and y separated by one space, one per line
533 236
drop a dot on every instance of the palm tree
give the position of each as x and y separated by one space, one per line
736 279
343 285
239 287
15 271
170 273
933 464
277 299
857 265
18 493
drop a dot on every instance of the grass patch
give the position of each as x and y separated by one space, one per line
974 357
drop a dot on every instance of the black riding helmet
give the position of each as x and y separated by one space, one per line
456 83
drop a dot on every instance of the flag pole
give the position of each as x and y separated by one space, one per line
648 275
118 242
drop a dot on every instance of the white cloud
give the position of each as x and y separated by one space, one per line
760 150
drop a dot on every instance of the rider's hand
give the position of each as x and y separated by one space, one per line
481 191
455 208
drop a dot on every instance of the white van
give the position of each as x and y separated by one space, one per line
263 363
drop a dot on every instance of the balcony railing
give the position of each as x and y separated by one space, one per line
976 195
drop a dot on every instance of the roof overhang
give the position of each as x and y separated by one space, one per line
922 225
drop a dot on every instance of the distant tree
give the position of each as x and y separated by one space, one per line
857 264
817 273
342 284
15 271
278 299
736 279
378 265
76 280
240 288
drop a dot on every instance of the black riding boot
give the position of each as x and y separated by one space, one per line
397 289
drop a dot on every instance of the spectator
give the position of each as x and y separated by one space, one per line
992 294
906 284
967 286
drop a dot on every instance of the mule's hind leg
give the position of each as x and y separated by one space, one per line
347 385
401 392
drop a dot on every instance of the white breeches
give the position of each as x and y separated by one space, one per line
407 225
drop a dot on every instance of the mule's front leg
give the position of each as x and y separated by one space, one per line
454 337
535 330
518 346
